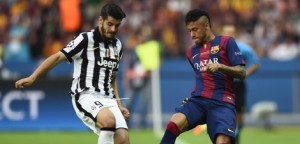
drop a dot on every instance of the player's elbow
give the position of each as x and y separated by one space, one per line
242 75
240 72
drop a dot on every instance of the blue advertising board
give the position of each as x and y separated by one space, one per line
44 105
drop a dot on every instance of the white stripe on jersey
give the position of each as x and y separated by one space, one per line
95 60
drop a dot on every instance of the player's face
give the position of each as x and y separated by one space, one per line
109 27
198 31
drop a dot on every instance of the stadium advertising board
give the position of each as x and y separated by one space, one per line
44 105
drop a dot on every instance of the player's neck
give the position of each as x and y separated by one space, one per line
210 37
101 31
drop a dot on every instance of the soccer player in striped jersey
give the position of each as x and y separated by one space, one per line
96 55
216 61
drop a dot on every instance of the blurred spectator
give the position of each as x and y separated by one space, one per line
70 15
52 45
37 20
287 50
252 65
45 21
17 48
1 63
136 77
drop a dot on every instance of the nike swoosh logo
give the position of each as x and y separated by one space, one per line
230 130
194 56
95 48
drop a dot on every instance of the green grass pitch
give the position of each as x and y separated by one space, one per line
250 135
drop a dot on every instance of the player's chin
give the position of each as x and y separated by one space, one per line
110 35
196 41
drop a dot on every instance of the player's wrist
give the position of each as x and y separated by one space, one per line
32 78
221 67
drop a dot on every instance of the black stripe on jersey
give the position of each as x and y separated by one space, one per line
106 78
84 64
106 82
70 60
120 54
78 105
96 72
118 59
114 42
78 48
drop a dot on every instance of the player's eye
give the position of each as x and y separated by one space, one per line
109 24
192 30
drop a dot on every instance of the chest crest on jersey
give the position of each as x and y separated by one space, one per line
214 49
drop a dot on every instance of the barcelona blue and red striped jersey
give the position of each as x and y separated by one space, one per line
218 86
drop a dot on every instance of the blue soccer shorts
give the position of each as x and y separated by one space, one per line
219 116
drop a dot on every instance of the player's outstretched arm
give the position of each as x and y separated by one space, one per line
47 65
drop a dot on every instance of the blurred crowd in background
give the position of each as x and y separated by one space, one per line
35 29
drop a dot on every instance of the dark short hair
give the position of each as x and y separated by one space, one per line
113 10
195 14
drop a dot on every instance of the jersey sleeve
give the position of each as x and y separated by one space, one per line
234 54
75 47
248 54
189 57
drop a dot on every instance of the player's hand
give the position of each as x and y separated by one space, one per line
212 68
125 112
185 101
24 82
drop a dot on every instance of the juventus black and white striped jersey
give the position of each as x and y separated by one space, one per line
95 60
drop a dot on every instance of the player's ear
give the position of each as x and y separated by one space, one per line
207 26
100 20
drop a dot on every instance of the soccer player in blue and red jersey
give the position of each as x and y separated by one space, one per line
216 61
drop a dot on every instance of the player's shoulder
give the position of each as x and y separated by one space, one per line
224 37
82 35
118 42
190 49
227 40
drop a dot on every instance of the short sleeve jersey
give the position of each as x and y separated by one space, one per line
218 86
95 60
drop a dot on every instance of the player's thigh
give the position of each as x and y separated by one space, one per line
95 108
223 139
191 114
119 118
87 108
105 118
221 119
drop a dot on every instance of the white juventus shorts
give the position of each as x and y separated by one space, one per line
88 104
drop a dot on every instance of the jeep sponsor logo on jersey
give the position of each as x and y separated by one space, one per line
107 62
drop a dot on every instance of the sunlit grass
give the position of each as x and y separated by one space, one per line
250 135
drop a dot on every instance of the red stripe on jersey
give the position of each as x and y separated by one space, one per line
208 79
189 53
